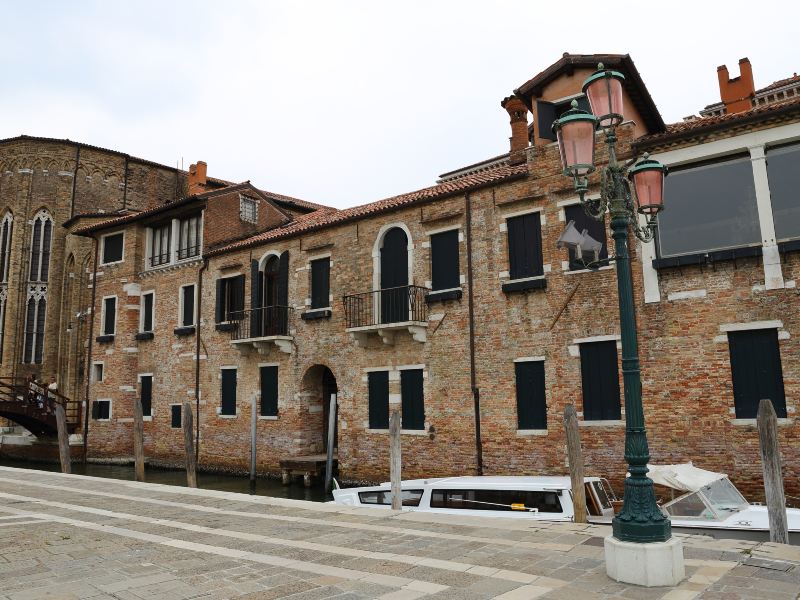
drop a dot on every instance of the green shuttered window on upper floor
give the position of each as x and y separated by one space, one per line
525 246
756 371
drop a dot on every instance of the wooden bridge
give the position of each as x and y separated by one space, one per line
34 407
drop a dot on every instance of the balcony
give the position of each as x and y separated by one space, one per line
385 312
260 328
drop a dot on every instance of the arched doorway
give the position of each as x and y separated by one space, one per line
317 387
394 276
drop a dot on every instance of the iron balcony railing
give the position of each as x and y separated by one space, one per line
188 252
261 322
383 307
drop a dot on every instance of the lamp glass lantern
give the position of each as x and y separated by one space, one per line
603 88
575 133
647 176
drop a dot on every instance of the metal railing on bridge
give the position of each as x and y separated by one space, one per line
34 406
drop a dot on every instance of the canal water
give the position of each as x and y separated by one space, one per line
208 481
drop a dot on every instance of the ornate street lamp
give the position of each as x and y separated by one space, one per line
626 190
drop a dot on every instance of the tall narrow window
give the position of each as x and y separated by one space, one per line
147 307
160 250
269 391
596 229
525 246
189 237
444 261
756 371
35 311
600 381
146 394
531 405
228 392
109 315
413 399
320 283
41 240
175 417
378 399
187 306
230 299
5 257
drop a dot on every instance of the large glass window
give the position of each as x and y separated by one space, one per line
189 237
160 245
783 169
384 497
710 207
502 500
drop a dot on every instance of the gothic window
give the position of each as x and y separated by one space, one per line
41 240
5 256
35 311
38 273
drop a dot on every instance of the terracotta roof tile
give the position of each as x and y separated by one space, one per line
684 128
330 217
779 84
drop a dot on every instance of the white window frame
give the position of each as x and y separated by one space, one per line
110 409
546 267
103 315
180 306
103 248
310 260
139 381
176 230
102 366
152 308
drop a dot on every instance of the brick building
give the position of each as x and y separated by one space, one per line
453 305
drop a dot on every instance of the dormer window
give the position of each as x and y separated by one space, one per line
248 209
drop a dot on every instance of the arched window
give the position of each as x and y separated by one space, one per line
38 273
41 241
6 226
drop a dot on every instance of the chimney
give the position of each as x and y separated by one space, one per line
737 93
518 113
197 178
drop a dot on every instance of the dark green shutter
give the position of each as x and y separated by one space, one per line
413 399
147 318
600 381
219 309
525 246
147 395
175 416
320 283
283 280
237 305
188 306
255 299
269 391
545 115
756 371
444 260
531 404
109 316
228 395
378 399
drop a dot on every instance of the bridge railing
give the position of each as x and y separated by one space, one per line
39 400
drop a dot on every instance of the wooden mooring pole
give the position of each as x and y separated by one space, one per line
188 440
773 478
63 439
331 441
253 434
395 460
575 456
138 439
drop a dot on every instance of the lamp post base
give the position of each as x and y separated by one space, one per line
647 564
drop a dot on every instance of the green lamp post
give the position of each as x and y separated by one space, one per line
626 190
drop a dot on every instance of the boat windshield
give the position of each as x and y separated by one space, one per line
723 496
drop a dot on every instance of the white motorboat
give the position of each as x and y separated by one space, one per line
539 498
708 504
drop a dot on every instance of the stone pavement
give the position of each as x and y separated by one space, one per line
67 536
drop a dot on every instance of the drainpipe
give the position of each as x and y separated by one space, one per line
88 371
473 379
197 358
74 181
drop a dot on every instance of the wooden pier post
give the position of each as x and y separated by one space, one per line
331 441
253 433
575 456
395 460
773 479
188 440
63 439
138 439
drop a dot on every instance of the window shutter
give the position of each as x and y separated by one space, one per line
283 280
269 391
525 246
600 381
110 316
756 371
444 260
255 298
95 409
188 306
147 395
238 297
545 115
531 403
219 308
147 318
413 400
320 283
378 399
175 416
228 403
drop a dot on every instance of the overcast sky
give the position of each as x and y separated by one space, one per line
346 102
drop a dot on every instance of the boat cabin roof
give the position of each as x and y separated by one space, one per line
496 482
